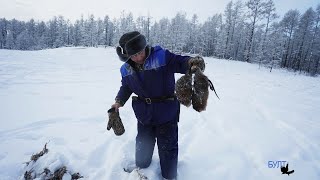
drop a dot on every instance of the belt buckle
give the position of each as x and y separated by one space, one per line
148 100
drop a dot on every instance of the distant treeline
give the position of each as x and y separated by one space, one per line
250 31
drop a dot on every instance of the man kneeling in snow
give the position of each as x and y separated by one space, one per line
149 73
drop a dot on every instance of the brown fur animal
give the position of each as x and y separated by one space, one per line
200 90
184 89
197 93
197 62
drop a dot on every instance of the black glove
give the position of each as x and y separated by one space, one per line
196 63
115 122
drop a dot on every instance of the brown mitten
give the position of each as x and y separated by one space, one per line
200 91
184 89
115 122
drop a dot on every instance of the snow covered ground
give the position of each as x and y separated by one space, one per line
61 96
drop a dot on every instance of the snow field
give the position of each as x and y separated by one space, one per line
61 96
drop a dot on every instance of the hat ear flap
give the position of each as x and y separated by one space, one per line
122 55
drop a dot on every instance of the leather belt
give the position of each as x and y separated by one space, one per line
154 100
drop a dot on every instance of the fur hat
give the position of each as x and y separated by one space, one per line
129 44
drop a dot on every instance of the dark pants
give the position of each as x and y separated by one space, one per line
167 141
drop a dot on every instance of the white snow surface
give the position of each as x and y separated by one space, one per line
61 96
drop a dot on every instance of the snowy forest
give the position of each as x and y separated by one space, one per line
248 31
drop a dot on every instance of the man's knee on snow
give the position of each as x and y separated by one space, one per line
143 163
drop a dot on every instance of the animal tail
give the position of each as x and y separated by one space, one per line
212 88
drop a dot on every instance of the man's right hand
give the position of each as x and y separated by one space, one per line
116 106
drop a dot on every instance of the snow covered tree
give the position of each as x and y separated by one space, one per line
13 29
275 46
78 33
3 32
160 33
100 32
31 30
123 25
255 13
153 33
193 34
41 30
209 36
108 31
314 62
16 28
178 32
270 17
289 24
61 36
227 30
10 41
106 23
220 43
52 33
24 40
143 25
237 35
69 33
90 33
303 38
252 35
148 27
31 27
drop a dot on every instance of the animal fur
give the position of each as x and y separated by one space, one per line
184 89
197 62
200 91
197 93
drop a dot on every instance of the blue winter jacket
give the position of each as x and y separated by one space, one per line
156 80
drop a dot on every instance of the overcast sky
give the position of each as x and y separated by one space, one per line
72 9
